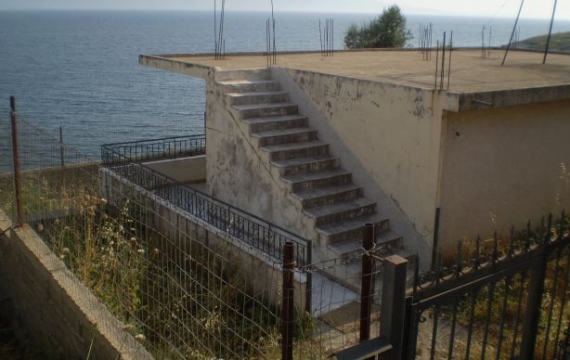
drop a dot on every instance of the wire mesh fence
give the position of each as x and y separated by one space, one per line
182 286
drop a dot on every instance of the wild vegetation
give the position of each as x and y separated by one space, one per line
558 42
388 30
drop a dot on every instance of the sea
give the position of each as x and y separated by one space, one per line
79 70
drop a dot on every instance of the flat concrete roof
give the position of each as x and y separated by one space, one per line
470 73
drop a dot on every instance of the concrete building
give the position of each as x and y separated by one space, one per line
321 145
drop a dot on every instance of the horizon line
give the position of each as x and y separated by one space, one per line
263 11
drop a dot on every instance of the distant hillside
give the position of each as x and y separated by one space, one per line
558 42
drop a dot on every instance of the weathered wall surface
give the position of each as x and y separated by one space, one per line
55 306
237 173
388 136
502 167
182 229
189 169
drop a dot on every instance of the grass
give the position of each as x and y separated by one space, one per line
180 297
558 42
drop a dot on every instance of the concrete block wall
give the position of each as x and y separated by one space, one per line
54 306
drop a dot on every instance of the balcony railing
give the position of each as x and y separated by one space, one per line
155 149
247 228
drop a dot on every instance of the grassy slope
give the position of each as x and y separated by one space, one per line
558 42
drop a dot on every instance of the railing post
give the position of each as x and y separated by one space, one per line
367 283
287 308
61 148
16 160
533 308
309 290
392 316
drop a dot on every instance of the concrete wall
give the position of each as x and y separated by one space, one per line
262 273
185 170
502 167
54 306
388 136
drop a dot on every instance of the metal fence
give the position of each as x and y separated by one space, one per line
253 231
146 150
176 286
500 299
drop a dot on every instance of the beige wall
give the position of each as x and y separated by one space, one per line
503 167
388 136
189 169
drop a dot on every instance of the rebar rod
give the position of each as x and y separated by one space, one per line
512 33
549 33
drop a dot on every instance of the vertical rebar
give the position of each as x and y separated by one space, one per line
549 33
449 67
489 42
16 161
287 323
442 74
512 34
483 52
215 30
436 63
367 282
321 37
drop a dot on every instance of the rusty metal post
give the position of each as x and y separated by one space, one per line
16 159
392 319
287 308
367 284
61 148
533 308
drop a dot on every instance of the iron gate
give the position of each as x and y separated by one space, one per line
503 299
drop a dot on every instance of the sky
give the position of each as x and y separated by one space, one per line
482 8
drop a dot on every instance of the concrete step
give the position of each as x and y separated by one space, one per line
296 150
258 97
315 180
285 136
240 75
263 110
308 164
233 86
328 195
276 122
343 211
352 229
388 243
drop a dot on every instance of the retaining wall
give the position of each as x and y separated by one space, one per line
54 306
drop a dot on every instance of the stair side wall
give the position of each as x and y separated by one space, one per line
238 173
388 136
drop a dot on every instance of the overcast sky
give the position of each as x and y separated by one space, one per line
484 8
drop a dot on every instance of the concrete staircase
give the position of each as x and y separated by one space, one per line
335 205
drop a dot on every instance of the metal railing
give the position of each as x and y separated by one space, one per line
154 149
247 228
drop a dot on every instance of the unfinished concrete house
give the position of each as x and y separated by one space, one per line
322 145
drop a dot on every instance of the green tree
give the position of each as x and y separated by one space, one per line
388 30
